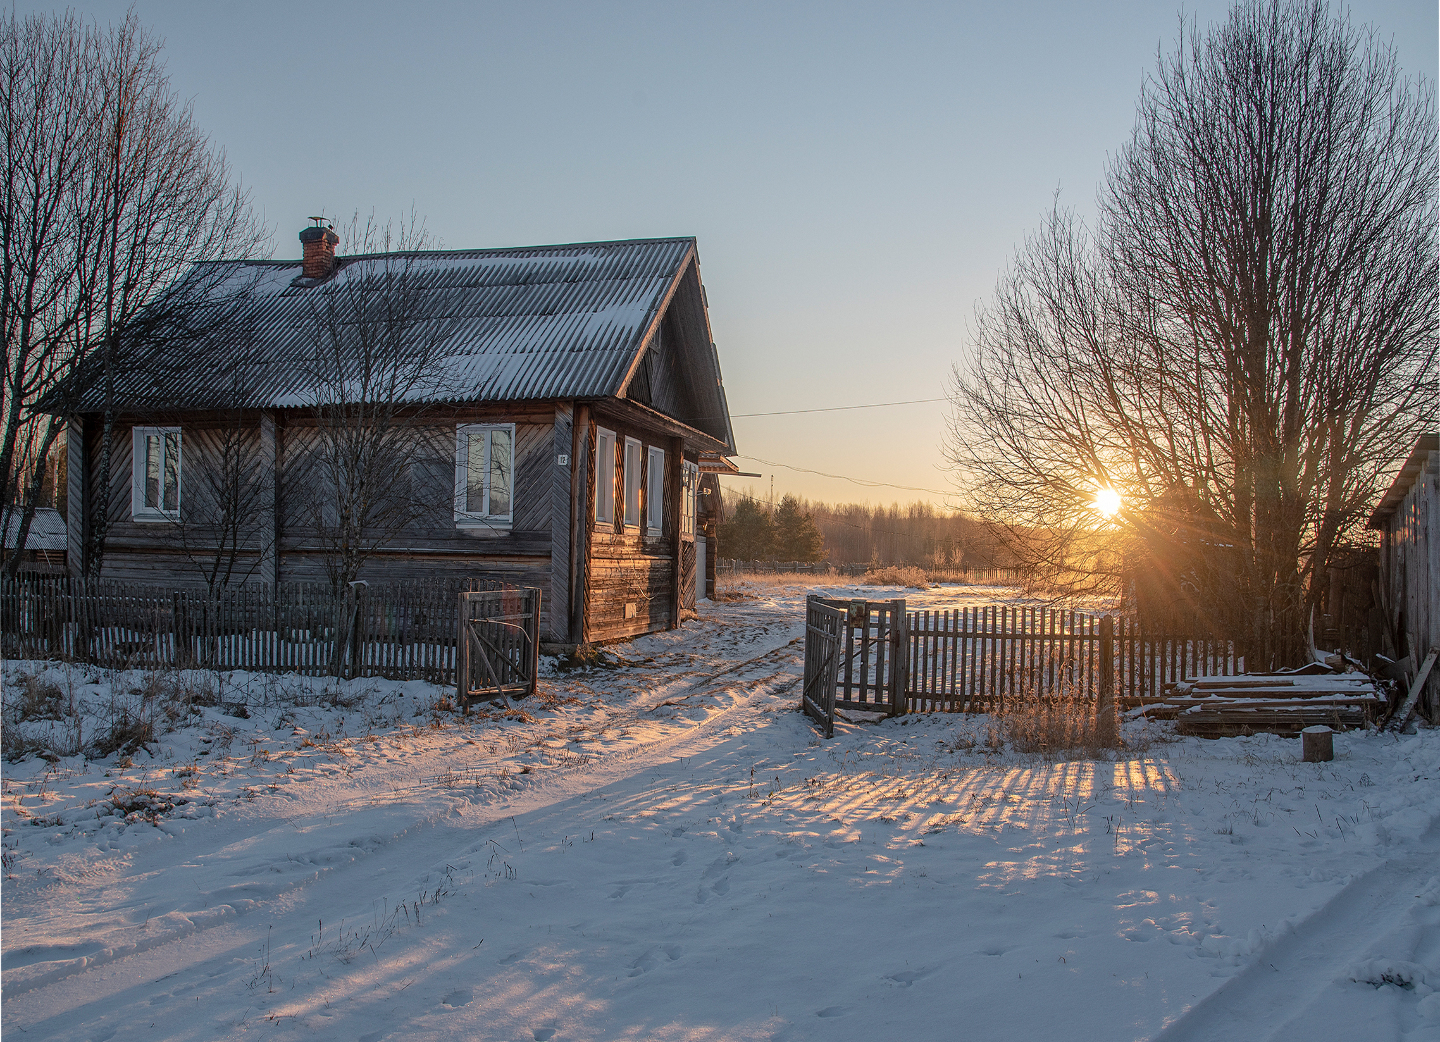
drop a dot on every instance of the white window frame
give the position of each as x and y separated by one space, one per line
139 511
481 518
689 491
604 476
655 490
632 482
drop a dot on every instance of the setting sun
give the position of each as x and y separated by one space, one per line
1107 501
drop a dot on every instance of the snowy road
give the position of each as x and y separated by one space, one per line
666 850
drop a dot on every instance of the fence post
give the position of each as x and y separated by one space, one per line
899 658
535 642
1109 719
462 655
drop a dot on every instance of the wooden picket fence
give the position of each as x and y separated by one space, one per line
978 660
975 659
401 631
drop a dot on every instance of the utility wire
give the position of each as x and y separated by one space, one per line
844 477
834 408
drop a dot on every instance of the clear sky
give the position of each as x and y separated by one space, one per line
857 174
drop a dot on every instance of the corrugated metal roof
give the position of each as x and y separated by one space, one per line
510 324
47 530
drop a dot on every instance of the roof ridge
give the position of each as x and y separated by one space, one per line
471 251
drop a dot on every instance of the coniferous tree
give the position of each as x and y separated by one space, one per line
747 534
796 537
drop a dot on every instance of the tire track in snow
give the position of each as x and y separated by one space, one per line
420 838
1289 975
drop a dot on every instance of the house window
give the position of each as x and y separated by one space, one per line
655 492
155 491
690 480
485 474
605 476
632 482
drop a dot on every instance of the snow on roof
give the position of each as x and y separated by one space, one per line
527 323
47 530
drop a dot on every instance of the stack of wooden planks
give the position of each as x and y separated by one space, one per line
1280 703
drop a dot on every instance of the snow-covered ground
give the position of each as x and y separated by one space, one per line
664 849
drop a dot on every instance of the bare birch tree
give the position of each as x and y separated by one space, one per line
111 195
1244 343
377 461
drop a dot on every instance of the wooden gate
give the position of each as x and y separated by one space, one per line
824 641
872 668
499 642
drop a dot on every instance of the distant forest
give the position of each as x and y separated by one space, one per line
918 534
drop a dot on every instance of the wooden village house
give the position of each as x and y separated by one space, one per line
572 395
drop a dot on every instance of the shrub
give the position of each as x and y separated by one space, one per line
897 575
1059 728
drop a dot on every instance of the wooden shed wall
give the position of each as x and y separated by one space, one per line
1410 567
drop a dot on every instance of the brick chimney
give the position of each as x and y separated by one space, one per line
319 243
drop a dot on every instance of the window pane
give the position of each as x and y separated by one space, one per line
632 483
500 473
475 473
655 492
172 471
605 476
152 471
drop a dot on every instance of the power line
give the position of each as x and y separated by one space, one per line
864 482
835 408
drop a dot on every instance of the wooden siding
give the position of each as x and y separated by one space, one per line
687 575
76 488
1410 572
429 546
675 372
557 591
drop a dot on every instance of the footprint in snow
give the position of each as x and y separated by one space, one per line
459 997
509 959
905 978
832 1011
719 865
652 958
679 858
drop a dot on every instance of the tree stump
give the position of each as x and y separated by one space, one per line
1317 744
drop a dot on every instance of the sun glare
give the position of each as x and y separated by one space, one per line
1107 502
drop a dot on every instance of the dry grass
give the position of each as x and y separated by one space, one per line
897 575
741 587
1055 727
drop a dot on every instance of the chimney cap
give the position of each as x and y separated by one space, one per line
317 233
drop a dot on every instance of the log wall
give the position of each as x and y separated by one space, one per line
630 571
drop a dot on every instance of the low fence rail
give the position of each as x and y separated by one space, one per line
401 631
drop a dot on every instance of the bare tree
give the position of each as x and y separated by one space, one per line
111 195
225 528
1243 344
377 459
